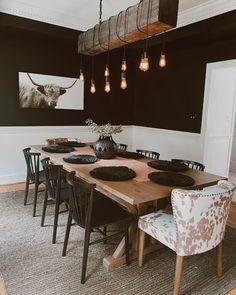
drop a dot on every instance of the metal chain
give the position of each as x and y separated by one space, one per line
100 12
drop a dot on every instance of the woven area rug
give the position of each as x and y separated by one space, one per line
32 265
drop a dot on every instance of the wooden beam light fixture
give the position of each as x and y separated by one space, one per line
129 26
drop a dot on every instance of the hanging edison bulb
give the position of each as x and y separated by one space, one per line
144 63
106 73
124 65
81 75
162 61
92 86
107 85
123 82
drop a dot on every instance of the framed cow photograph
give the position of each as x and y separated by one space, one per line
50 92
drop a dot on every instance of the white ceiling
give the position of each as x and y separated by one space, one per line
82 14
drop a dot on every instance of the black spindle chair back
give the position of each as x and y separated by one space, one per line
32 163
149 154
191 164
121 146
81 200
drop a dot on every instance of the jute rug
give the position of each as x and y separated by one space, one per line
32 265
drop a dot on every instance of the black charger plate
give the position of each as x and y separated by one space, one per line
168 166
129 155
113 173
57 149
80 159
72 144
171 179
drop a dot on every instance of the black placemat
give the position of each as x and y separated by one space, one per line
72 144
168 166
80 159
129 155
171 178
113 173
57 149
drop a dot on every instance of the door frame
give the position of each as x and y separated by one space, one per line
211 67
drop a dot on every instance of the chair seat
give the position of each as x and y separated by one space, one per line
41 177
105 212
161 226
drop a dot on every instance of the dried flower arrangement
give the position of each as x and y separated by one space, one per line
105 130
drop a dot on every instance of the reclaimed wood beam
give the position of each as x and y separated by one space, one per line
130 25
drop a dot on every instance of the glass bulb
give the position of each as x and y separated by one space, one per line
107 85
106 73
123 82
81 75
123 65
162 61
92 86
144 63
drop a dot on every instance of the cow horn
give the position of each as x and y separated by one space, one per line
70 85
33 81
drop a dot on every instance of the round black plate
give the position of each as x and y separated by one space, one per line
113 173
80 159
170 178
72 144
129 155
57 149
168 166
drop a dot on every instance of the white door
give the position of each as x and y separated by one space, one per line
219 116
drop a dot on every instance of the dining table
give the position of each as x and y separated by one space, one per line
138 195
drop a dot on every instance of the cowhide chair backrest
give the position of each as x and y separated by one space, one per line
200 217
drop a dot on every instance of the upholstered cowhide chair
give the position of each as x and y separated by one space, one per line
197 224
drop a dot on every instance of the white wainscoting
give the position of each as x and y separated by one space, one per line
170 144
14 139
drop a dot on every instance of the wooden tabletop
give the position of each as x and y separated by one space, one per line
131 191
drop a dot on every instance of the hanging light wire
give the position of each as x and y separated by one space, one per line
107 70
144 62
92 85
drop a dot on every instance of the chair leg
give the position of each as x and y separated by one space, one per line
44 207
127 243
141 247
54 235
178 274
26 190
85 255
35 198
219 259
67 234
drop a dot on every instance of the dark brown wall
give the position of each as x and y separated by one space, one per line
169 98
172 98
52 50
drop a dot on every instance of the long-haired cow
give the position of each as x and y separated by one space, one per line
41 96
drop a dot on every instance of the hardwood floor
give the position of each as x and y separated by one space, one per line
231 292
12 187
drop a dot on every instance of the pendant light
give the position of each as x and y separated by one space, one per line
123 82
107 87
162 60
92 83
81 74
144 62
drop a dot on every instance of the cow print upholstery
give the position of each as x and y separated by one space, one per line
198 220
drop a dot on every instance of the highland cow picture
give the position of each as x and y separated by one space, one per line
50 92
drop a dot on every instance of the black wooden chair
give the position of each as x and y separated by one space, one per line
149 154
121 146
33 176
190 164
92 213
56 188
